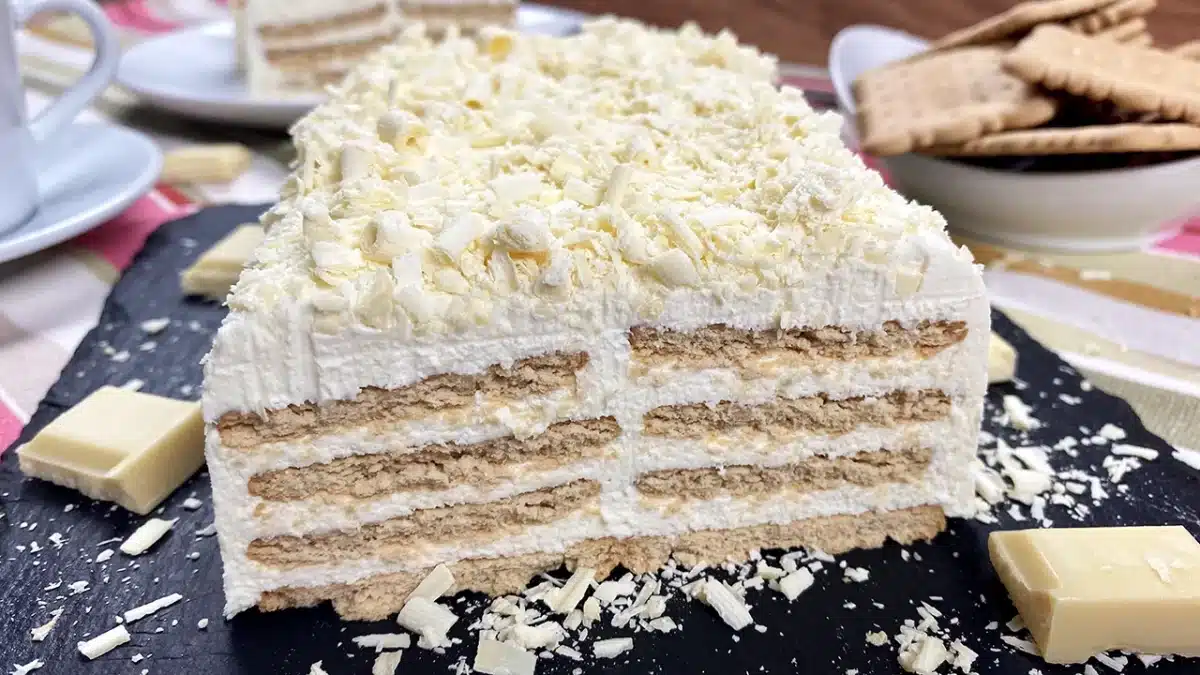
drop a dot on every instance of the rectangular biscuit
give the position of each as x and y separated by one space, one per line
1139 79
944 98
1080 141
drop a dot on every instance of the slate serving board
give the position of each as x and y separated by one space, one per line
818 633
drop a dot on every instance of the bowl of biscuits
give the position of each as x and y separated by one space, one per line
1057 125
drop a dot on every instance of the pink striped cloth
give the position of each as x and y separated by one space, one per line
116 242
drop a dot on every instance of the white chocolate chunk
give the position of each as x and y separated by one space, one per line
501 658
217 163
1002 360
618 184
612 648
565 599
675 268
146 536
427 618
517 187
104 643
544 635
39 633
356 161
526 233
391 234
728 606
386 663
796 583
1082 591
581 192
460 235
683 235
434 585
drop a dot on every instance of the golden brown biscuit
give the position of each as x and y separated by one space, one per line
1138 79
945 98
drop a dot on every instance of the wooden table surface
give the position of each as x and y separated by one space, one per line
800 30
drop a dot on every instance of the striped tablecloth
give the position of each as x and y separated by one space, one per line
1130 321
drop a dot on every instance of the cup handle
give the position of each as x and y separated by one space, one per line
99 75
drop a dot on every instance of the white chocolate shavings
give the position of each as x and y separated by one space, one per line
386 663
1026 473
146 536
40 632
151 607
855 574
1019 414
155 326
796 583
564 600
731 608
25 669
104 643
925 646
612 648
624 160
382 641
428 619
316 669
500 658
436 584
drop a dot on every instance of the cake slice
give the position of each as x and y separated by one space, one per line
597 300
300 46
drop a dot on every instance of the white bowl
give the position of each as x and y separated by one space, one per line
1104 210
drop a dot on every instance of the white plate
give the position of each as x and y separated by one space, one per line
87 174
193 73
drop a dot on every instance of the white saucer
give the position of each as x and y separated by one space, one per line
87 174
193 73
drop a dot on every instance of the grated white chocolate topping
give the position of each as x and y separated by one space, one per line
444 181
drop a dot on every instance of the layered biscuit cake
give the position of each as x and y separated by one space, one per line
598 300
297 46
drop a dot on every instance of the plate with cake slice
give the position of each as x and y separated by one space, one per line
267 66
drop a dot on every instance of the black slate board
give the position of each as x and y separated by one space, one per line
818 633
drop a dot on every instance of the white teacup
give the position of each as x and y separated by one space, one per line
19 137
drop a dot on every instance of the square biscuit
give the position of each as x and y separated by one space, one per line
1139 79
944 98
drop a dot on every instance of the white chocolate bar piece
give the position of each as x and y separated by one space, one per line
1002 360
1082 591
120 446
217 270
216 163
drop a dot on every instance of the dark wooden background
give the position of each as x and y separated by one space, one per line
800 30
